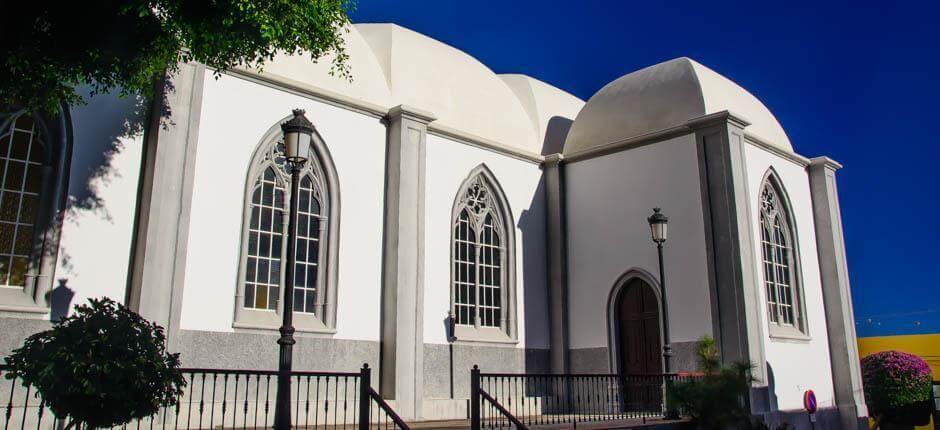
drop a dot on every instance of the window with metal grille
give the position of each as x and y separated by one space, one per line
777 251
21 173
267 228
478 259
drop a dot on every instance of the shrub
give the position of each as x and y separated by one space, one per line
897 387
717 399
102 366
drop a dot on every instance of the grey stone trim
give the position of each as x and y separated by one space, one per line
837 294
359 106
259 350
732 271
557 263
402 328
483 143
56 133
794 158
161 225
436 377
321 164
682 129
508 333
281 83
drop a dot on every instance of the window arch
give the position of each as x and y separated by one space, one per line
482 260
34 166
264 239
780 258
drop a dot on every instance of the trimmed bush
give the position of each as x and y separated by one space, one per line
897 387
103 366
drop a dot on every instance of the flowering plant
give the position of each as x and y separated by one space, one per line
895 380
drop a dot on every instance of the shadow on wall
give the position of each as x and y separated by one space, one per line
60 300
99 130
555 134
771 388
535 280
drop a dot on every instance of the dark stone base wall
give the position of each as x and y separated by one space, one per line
490 359
13 331
826 419
597 360
251 350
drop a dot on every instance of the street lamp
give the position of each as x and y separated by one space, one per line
658 223
298 132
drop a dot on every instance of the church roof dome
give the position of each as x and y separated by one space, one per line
663 96
392 65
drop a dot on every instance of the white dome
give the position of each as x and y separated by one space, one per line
663 96
392 65
367 86
461 92
551 110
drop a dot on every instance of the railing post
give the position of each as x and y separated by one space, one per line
365 396
475 398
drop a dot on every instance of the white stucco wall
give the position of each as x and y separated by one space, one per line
448 164
796 365
94 247
235 115
608 201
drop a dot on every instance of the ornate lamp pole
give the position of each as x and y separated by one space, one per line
658 223
298 131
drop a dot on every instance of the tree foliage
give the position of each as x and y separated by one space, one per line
50 48
717 399
102 366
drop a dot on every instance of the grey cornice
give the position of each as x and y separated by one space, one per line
412 113
825 162
776 150
356 105
484 143
553 159
705 121
299 88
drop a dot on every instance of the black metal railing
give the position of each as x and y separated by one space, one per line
505 400
225 398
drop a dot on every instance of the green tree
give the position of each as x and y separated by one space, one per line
50 48
717 399
102 366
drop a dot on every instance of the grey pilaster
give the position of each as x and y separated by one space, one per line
732 273
158 253
402 352
557 261
837 295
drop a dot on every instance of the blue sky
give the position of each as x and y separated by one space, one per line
857 81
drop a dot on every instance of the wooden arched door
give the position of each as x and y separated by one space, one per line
640 349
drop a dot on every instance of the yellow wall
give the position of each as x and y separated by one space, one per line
926 346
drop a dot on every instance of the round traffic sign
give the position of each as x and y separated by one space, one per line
809 401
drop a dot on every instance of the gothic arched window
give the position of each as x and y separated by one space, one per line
482 290
33 183
265 244
779 256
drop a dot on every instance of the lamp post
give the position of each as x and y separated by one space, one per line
298 131
658 223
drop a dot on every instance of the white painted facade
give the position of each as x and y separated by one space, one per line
676 135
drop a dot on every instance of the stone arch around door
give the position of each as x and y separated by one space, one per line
650 290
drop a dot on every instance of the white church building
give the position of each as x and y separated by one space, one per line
437 186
